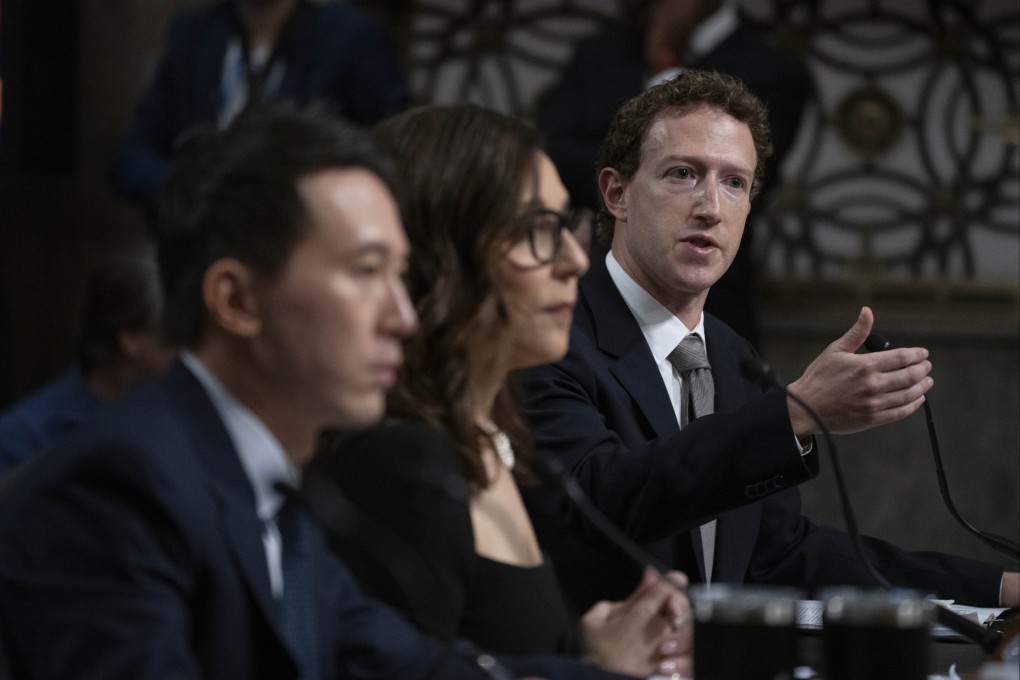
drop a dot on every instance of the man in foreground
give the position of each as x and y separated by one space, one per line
650 410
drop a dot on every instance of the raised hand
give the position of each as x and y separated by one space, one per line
853 392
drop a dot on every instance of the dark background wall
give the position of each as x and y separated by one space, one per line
72 70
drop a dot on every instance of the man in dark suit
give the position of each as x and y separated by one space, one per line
156 541
683 161
653 41
233 54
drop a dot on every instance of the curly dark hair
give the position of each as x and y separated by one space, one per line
462 170
691 90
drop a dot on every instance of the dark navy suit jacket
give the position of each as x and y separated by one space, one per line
604 411
336 56
134 551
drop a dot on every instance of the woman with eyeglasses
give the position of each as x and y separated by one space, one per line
433 520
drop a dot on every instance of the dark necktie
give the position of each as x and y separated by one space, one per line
697 398
297 604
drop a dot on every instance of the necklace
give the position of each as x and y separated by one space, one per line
500 441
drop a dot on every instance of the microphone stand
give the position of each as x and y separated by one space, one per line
986 638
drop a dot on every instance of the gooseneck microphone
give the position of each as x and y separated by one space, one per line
762 373
553 469
876 343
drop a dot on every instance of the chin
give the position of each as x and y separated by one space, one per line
362 412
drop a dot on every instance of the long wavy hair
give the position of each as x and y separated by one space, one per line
461 173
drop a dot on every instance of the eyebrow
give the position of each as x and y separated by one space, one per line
380 248
699 160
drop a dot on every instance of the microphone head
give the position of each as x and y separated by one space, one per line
876 343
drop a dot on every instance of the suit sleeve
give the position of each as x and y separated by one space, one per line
792 550
656 486
93 575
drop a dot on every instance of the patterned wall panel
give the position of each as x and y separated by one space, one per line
907 166
500 53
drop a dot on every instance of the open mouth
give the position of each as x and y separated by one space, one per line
701 242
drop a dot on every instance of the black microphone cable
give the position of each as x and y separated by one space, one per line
762 373
876 343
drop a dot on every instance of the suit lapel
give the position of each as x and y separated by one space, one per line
737 530
730 385
618 335
227 483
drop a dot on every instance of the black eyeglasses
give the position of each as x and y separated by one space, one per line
545 231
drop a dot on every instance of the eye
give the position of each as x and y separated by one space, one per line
367 267
736 182
680 173
366 270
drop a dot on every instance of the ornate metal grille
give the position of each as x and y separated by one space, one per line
907 165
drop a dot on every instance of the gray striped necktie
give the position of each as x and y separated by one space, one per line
697 398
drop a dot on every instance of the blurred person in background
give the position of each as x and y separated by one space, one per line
118 345
230 55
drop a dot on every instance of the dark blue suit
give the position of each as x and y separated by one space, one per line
604 411
336 56
134 551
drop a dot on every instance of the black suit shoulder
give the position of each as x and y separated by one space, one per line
400 519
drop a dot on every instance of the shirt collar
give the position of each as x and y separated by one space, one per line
264 461
662 330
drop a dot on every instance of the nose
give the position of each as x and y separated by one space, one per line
571 260
400 318
706 201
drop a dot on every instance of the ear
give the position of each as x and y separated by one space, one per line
229 292
614 194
